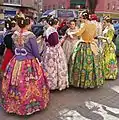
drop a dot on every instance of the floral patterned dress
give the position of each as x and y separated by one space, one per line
85 64
54 61
24 87
110 60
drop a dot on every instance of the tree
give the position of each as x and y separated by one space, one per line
92 5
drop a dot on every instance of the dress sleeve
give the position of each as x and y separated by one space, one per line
53 39
78 32
110 34
81 30
34 47
8 41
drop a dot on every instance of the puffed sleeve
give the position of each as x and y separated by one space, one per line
110 34
53 39
79 31
34 47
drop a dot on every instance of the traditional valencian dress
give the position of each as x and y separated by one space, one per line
24 86
110 61
54 61
8 52
69 44
85 67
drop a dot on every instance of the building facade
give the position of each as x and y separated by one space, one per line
11 7
56 4
107 7
77 4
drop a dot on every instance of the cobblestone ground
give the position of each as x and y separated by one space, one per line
78 104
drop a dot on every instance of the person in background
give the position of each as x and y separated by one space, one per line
94 19
54 60
110 61
69 43
63 27
10 25
24 86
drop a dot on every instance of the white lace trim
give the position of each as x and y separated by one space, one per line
49 31
24 33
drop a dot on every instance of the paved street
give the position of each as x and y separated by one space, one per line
78 104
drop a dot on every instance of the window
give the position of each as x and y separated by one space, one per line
15 1
113 7
54 6
6 1
108 6
12 1
49 7
45 8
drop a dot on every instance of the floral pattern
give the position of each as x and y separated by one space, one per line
110 60
85 69
55 65
24 88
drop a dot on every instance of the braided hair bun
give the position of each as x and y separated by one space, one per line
108 19
22 21
8 24
85 14
53 21
13 22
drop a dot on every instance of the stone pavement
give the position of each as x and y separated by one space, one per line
78 104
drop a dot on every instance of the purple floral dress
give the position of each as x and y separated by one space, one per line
54 61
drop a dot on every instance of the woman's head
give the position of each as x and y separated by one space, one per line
54 22
72 24
84 16
107 21
10 23
22 21
93 17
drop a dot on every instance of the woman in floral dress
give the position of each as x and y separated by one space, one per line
69 43
54 60
85 67
110 61
24 86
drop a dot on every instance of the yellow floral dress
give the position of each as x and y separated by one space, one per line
110 60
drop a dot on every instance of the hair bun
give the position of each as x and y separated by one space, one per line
8 24
53 21
108 19
85 14
22 20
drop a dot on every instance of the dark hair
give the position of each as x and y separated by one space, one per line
107 19
85 15
13 22
8 24
74 20
22 21
53 21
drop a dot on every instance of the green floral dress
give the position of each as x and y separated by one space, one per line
110 60
85 68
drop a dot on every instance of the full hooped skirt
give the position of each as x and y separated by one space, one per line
55 65
24 87
85 69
